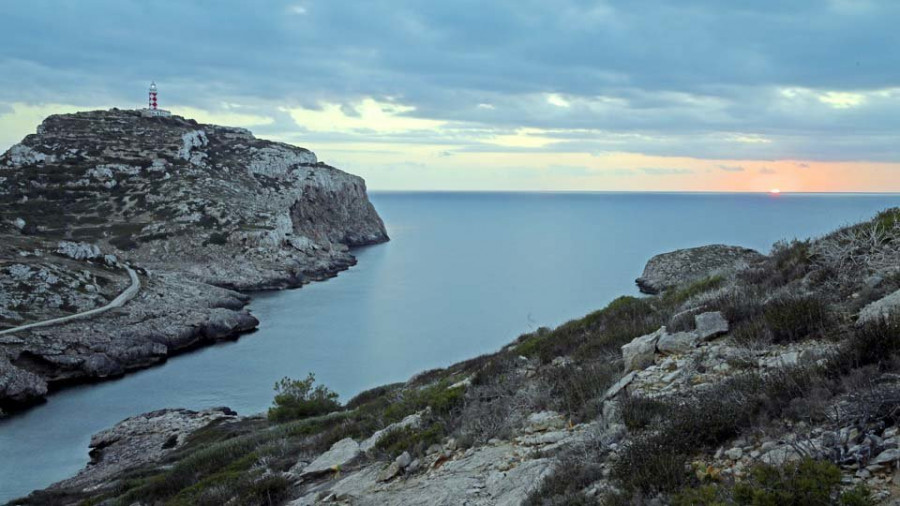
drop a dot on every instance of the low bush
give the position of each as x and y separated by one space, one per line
296 399
577 388
805 483
564 487
873 343
791 319
597 334
414 441
679 296
655 459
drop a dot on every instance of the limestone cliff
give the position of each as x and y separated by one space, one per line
198 210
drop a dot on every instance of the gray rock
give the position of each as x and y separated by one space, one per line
620 385
447 485
734 453
685 266
886 457
639 353
390 472
881 308
544 420
413 421
403 460
339 455
138 441
679 342
710 325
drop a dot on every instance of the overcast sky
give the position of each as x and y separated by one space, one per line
801 95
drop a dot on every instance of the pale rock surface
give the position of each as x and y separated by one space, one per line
685 266
640 352
881 308
338 456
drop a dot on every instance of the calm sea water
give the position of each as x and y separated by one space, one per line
464 274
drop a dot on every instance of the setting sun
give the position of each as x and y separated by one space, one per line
774 191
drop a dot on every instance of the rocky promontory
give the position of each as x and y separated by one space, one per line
200 212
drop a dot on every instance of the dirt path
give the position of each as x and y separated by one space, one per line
128 294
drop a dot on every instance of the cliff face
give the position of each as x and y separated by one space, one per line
198 210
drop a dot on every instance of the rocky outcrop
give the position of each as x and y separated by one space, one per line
197 210
685 266
141 440
641 351
881 309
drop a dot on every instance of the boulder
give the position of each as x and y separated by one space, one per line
619 385
639 353
685 266
413 421
339 455
543 421
880 309
710 325
679 342
141 440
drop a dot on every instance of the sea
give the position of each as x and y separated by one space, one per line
464 274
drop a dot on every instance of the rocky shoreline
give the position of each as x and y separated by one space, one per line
205 214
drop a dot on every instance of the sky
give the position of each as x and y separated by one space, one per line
661 95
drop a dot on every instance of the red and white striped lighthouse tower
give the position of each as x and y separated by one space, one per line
152 103
152 110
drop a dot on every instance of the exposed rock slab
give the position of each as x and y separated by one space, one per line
685 266
881 308
339 455
640 352
472 479
139 440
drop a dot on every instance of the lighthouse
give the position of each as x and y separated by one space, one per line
152 109
152 102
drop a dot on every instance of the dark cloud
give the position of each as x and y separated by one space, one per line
731 168
639 75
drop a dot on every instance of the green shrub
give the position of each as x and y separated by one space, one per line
873 343
792 319
301 399
414 441
564 486
641 412
597 334
805 483
677 297
699 422
577 388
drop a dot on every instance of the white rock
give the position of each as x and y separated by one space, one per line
544 420
339 455
710 325
881 308
619 385
639 353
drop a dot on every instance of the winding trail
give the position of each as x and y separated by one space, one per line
126 295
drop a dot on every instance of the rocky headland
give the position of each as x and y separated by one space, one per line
201 213
760 379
